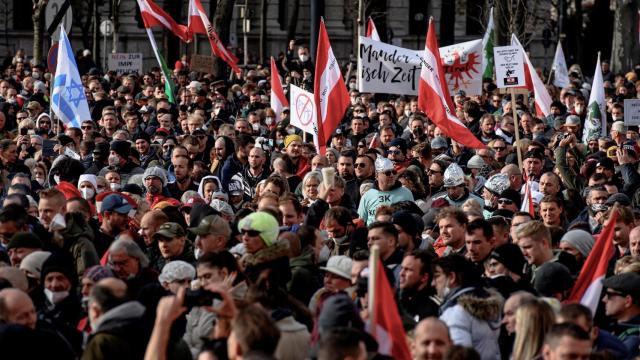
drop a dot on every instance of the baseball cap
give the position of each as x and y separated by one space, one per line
625 283
169 230
339 265
117 203
212 224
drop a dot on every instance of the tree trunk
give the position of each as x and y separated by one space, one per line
625 50
37 18
293 21
222 23
263 30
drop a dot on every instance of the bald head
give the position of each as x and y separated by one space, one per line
16 307
117 287
634 242
432 339
514 174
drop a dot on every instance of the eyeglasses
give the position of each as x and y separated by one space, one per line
360 165
394 152
360 146
390 173
252 233
505 202
45 122
431 172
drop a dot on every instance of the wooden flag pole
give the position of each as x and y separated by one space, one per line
373 275
515 123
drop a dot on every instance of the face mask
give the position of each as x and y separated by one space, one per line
85 303
353 86
599 207
40 181
87 193
198 253
57 223
132 213
579 109
447 290
304 58
339 240
291 131
36 75
114 186
618 118
268 121
114 160
255 126
238 93
217 111
488 204
56 178
407 112
55 297
279 141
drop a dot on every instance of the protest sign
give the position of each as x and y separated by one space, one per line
509 66
303 111
389 69
202 63
632 112
125 63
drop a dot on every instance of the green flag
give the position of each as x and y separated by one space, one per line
487 48
168 83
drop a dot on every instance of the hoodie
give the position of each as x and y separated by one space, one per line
204 180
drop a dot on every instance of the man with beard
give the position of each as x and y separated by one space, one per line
235 162
457 191
415 285
115 216
347 172
293 148
182 167
252 173
497 184
364 169
533 164
147 153
596 207
119 159
155 179
416 134
387 190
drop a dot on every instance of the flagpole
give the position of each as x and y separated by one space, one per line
373 275
515 123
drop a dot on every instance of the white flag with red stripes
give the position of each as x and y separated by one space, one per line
527 202
331 95
278 100
434 98
199 24
372 32
154 15
534 84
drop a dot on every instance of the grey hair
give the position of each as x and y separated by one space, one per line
311 175
131 249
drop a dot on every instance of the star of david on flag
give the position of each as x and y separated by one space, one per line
68 101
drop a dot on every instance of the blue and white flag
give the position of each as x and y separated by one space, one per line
68 101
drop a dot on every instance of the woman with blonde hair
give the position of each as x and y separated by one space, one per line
534 318
310 184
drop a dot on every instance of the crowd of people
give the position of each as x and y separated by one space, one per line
209 228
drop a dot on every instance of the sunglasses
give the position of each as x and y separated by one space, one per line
390 173
360 146
505 202
87 127
360 165
499 148
21 117
252 233
610 293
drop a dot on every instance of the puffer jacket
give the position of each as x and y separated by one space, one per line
473 317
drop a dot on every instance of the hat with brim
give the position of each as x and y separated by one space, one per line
169 230
339 265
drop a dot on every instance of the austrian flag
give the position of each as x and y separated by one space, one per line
154 15
278 100
434 98
332 98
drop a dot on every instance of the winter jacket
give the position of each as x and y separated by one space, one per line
373 198
78 240
473 317
118 334
629 333
316 211
305 278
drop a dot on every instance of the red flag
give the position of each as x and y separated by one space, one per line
434 98
331 95
372 32
153 15
199 24
278 100
389 332
588 287
534 83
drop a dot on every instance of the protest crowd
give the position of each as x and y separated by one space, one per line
200 223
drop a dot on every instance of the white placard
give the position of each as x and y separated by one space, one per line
632 112
509 66
389 69
303 110
123 63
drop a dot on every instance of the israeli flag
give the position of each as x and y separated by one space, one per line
68 101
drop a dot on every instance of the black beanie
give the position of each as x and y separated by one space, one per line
25 240
60 262
122 148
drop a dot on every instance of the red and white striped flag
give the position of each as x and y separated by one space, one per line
534 84
434 98
588 287
199 24
278 100
154 15
331 95
638 26
527 202
372 32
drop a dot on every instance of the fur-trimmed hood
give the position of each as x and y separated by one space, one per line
484 304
